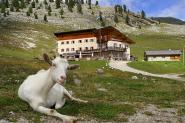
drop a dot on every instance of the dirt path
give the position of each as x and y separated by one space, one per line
122 65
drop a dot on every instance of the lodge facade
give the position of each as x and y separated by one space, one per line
106 42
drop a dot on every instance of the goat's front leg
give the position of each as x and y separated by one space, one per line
66 93
52 112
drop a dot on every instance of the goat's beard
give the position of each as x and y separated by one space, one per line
61 82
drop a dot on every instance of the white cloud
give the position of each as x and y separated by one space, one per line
176 10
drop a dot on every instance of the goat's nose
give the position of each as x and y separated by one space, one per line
63 77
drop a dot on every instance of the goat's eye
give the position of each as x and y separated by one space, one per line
54 65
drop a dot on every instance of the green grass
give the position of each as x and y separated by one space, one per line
14 34
16 64
103 106
159 67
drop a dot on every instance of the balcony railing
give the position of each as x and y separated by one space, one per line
103 49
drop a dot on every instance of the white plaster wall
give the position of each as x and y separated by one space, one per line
159 58
123 45
77 45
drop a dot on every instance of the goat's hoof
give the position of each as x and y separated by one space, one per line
71 120
85 101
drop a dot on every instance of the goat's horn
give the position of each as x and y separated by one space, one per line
46 59
73 66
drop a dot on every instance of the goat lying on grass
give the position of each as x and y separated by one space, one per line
45 89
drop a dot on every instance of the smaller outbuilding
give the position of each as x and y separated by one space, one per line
162 55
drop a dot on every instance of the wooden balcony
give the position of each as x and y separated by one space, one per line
120 49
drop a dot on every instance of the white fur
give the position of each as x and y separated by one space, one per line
44 89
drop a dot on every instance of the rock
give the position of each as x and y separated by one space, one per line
4 121
100 71
134 77
102 89
11 113
77 81
22 120
144 78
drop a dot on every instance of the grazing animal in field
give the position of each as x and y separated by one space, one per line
45 89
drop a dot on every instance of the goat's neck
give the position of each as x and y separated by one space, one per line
49 83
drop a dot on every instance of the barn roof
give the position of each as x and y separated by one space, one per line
162 52
109 30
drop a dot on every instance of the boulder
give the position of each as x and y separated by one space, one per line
134 77
100 71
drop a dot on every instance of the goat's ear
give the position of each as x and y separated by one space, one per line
46 59
73 66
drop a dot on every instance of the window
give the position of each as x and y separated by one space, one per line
62 43
80 48
67 42
86 40
62 50
72 42
72 49
80 41
86 48
115 45
92 48
67 50
91 40
120 45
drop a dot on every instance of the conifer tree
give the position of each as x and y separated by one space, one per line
45 2
127 20
61 12
6 3
33 4
3 8
35 15
16 4
89 3
79 8
49 13
101 19
23 5
8 12
66 2
116 19
115 8
143 15
27 13
82 2
45 18
49 8
4 14
57 4
11 8
125 8
71 5
96 4
30 10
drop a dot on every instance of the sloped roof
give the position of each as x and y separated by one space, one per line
76 31
101 31
163 52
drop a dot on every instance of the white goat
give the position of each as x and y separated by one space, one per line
45 89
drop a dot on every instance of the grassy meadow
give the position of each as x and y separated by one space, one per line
159 67
121 98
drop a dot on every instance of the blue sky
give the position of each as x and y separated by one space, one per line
160 8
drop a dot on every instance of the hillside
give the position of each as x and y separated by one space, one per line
169 20
23 36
